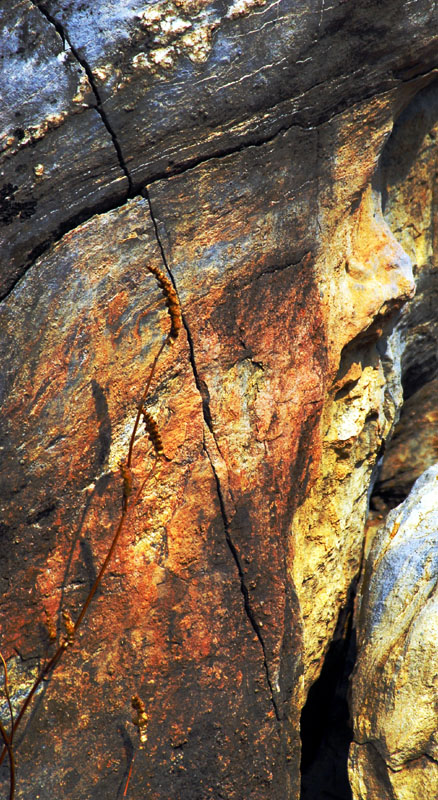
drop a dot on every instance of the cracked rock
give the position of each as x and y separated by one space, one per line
252 134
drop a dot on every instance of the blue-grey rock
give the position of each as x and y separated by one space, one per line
395 681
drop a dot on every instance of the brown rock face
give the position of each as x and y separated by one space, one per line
232 148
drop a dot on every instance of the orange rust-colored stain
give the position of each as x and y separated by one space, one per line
117 306
394 530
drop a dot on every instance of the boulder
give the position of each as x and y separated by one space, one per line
394 693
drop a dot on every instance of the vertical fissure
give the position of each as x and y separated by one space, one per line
42 8
203 391
244 589
326 731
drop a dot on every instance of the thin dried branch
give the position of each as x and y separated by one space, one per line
72 627
9 750
8 696
142 401
171 299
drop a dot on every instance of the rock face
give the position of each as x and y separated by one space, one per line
394 692
408 174
234 147
409 168
393 754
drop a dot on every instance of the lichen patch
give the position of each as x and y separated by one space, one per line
198 43
241 8
175 28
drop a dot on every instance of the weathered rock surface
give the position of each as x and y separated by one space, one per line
409 184
409 169
134 93
234 145
58 160
390 721
394 686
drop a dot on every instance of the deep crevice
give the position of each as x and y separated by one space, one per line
243 587
326 732
85 66
203 391
274 270
196 161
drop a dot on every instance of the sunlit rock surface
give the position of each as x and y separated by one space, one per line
237 147
394 691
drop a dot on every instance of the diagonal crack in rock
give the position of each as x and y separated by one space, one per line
87 69
203 391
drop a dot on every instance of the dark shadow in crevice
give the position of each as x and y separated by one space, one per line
325 721
129 749
402 148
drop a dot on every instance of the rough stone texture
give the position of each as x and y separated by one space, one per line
358 414
172 594
227 75
57 159
409 172
236 145
394 691
380 766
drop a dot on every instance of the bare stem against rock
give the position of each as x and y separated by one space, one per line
71 627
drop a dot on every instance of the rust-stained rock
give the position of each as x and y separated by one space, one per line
161 625
394 753
235 148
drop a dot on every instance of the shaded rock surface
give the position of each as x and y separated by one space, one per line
235 147
409 186
413 447
395 749
409 172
